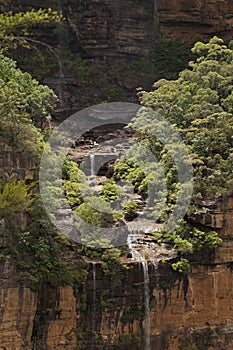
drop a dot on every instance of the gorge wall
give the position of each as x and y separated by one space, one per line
109 28
116 27
189 309
188 20
193 310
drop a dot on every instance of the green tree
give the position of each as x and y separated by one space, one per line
19 29
24 105
15 197
199 104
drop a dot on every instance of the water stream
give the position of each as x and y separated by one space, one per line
136 255
147 303
92 164
94 303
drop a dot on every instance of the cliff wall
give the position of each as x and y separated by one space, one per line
187 20
112 28
194 309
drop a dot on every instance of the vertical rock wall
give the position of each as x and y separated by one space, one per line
187 20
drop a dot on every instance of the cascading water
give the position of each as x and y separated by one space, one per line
94 287
94 302
92 164
136 255
147 303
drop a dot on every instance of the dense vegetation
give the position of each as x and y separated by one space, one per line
198 104
57 54
31 240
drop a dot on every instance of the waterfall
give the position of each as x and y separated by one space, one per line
94 286
94 303
138 256
92 163
147 303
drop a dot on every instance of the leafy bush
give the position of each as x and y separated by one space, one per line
110 191
15 197
198 103
130 210
182 266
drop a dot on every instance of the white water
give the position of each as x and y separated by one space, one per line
94 302
137 256
92 163
147 303
94 286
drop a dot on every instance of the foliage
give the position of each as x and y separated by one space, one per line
16 29
181 266
188 239
198 103
130 210
97 82
129 339
131 171
97 212
34 244
38 253
24 106
15 197
75 187
167 59
110 191
113 268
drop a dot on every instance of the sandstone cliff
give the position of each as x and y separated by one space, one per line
187 20
112 28
184 310
196 310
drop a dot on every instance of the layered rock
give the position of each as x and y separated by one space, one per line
187 20
16 163
117 27
113 27
217 215
195 310
17 310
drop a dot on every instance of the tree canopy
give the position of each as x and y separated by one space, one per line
199 103
24 102
17 29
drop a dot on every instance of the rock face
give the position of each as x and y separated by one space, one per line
217 215
189 19
16 163
190 310
196 310
106 42
113 27
116 27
